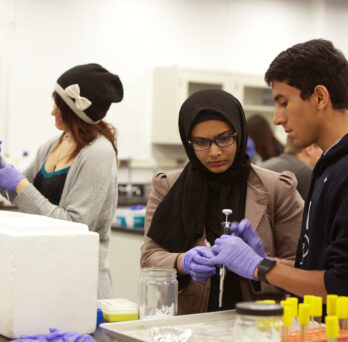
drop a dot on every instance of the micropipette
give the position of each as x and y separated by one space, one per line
226 230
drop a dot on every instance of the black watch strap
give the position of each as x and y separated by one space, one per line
264 266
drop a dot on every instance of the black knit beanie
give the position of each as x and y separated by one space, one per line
89 90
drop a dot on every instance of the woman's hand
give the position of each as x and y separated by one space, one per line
196 263
10 178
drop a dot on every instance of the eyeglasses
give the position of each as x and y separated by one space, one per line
205 144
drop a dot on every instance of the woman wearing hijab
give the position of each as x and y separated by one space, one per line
184 211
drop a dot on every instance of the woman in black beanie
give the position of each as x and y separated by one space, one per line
74 176
184 210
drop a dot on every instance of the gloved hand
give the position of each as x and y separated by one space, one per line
57 336
1 160
196 263
9 178
236 255
247 233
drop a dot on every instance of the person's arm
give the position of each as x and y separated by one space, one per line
297 281
91 179
152 254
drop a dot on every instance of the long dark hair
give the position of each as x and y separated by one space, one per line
83 133
266 144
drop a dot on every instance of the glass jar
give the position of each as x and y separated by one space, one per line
158 292
258 322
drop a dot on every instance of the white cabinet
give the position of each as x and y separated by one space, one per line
173 85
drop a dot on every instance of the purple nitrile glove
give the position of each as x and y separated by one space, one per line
9 178
196 263
247 233
57 336
236 255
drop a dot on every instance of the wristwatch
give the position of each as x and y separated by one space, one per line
264 266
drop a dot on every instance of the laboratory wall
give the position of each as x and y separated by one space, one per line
40 39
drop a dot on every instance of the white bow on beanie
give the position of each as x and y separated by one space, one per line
81 103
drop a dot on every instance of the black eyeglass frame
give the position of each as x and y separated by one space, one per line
234 136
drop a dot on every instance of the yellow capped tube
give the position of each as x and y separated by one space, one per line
317 308
332 330
293 301
342 312
303 319
287 319
331 301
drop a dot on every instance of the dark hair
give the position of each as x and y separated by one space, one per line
266 144
309 64
82 132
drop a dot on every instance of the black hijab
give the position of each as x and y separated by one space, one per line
198 196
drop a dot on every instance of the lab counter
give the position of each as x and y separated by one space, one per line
136 231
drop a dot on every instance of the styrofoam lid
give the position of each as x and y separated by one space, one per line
19 223
118 305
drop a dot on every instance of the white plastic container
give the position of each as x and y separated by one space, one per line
49 275
119 309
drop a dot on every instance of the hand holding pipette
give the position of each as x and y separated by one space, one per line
247 233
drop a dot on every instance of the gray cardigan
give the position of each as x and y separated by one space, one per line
89 196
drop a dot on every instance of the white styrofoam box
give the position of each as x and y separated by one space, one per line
48 275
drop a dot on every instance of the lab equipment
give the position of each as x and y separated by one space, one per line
316 310
118 309
158 293
332 330
222 272
260 322
342 312
331 302
303 320
294 308
287 319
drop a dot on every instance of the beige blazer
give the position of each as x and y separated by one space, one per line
274 208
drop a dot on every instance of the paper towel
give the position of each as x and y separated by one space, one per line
48 275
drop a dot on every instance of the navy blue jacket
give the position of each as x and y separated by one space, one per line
323 243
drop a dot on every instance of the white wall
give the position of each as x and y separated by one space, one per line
40 39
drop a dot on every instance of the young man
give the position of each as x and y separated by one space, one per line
310 89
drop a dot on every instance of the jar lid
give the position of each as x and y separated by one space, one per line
259 309
157 272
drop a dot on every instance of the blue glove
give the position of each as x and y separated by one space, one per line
9 178
236 255
247 233
57 336
196 263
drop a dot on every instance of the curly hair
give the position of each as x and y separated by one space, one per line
83 133
308 64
